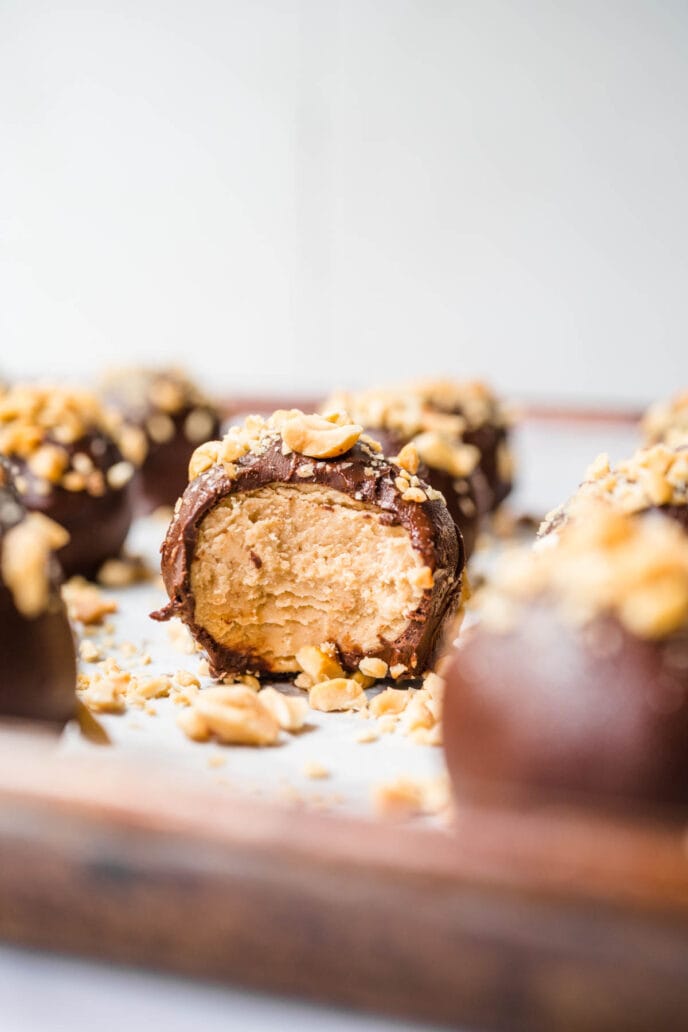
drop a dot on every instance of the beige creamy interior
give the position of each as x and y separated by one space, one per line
282 567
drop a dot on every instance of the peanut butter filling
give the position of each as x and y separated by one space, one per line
283 567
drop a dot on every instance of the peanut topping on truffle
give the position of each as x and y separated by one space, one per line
435 436
27 550
652 478
602 563
42 425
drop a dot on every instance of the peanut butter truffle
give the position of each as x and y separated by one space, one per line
175 417
295 531
427 442
38 668
485 424
74 461
574 685
654 478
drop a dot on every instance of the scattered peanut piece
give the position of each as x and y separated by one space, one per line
89 652
391 700
85 603
106 689
317 664
237 716
289 710
336 695
158 687
193 725
407 797
123 572
186 679
372 667
316 771
401 797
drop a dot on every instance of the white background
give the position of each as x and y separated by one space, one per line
291 193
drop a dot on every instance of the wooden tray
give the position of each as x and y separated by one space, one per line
541 919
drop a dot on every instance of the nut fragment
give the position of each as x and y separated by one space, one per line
193 725
408 458
391 701
236 715
289 710
336 695
205 456
372 667
317 437
85 603
26 554
106 689
88 652
317 664
50 462
422 578
119 475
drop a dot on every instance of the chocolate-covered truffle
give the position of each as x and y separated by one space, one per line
38 668
174 415
485 424
575 683
297 532
653 478
73 461
433 444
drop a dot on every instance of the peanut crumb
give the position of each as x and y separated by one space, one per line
89 652
336 695
85 603
289 710
372 667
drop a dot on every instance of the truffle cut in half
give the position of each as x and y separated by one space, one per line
296 531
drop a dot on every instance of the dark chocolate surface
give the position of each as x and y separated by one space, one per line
463 495
38 668
593 714
428 523
164 473
97 524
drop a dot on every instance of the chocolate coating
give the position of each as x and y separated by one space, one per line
38 668
97 523
490 437
140 396
165 469
428 524
464 495
591 714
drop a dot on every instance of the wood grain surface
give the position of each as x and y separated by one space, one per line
533 920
